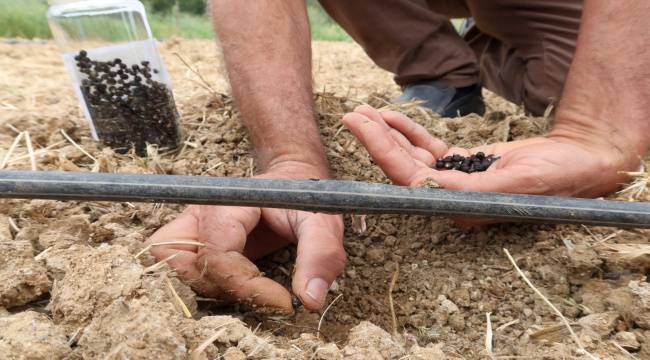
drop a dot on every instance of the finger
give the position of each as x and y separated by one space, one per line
416 152
415 133
398 165
183 258
183 228
371 113
224 230
320 259
242 281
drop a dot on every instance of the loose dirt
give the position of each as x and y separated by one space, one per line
71 286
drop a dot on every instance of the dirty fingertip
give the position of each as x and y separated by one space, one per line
315 293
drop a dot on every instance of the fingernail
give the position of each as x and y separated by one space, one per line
317 290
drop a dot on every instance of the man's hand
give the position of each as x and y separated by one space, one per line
236 235
553 165
267 52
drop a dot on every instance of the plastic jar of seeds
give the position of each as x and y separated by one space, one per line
120 79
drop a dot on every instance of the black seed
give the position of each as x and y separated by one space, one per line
83 53
145 63
155 71
440 164
457 157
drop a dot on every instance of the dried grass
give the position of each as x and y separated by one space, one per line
639 188
575 337
179 301
196 353
322 317
168 243
161 263
391 302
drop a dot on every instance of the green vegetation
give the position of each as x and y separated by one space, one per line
27 19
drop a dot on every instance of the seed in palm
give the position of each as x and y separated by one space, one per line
468 164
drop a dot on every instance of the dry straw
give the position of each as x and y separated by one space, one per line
161 263
550 304
196 353
320 322
181 303
391 303
168 243
11 150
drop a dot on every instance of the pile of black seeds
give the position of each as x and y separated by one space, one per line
474 163
128 108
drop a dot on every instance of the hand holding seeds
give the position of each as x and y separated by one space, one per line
550 165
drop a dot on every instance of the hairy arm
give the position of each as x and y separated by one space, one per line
267 50
606 101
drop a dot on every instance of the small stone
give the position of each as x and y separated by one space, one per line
390 241
627 340
375 255
234 353
31 335
457 321
447 305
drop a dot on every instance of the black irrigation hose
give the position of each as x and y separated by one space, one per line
324 195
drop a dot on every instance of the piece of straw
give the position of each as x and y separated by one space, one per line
30 151
322 317
186 311
161 263
65 135
391 303
13 225
174 242
196 353
550 304
488 335
12 148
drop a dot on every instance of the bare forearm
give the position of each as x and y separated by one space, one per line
267 50
607 93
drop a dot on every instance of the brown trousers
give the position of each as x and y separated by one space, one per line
520 49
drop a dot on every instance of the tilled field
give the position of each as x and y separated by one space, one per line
71 285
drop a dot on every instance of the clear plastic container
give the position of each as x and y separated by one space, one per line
120 79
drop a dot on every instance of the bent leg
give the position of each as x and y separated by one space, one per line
525 47
408 39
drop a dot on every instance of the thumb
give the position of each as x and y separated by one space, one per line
320 259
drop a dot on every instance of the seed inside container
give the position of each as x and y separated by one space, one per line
126 112
474 163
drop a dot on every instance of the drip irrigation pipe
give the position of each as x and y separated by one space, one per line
331 196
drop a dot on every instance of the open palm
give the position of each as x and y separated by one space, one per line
548 165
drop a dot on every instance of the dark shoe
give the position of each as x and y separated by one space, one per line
446 100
